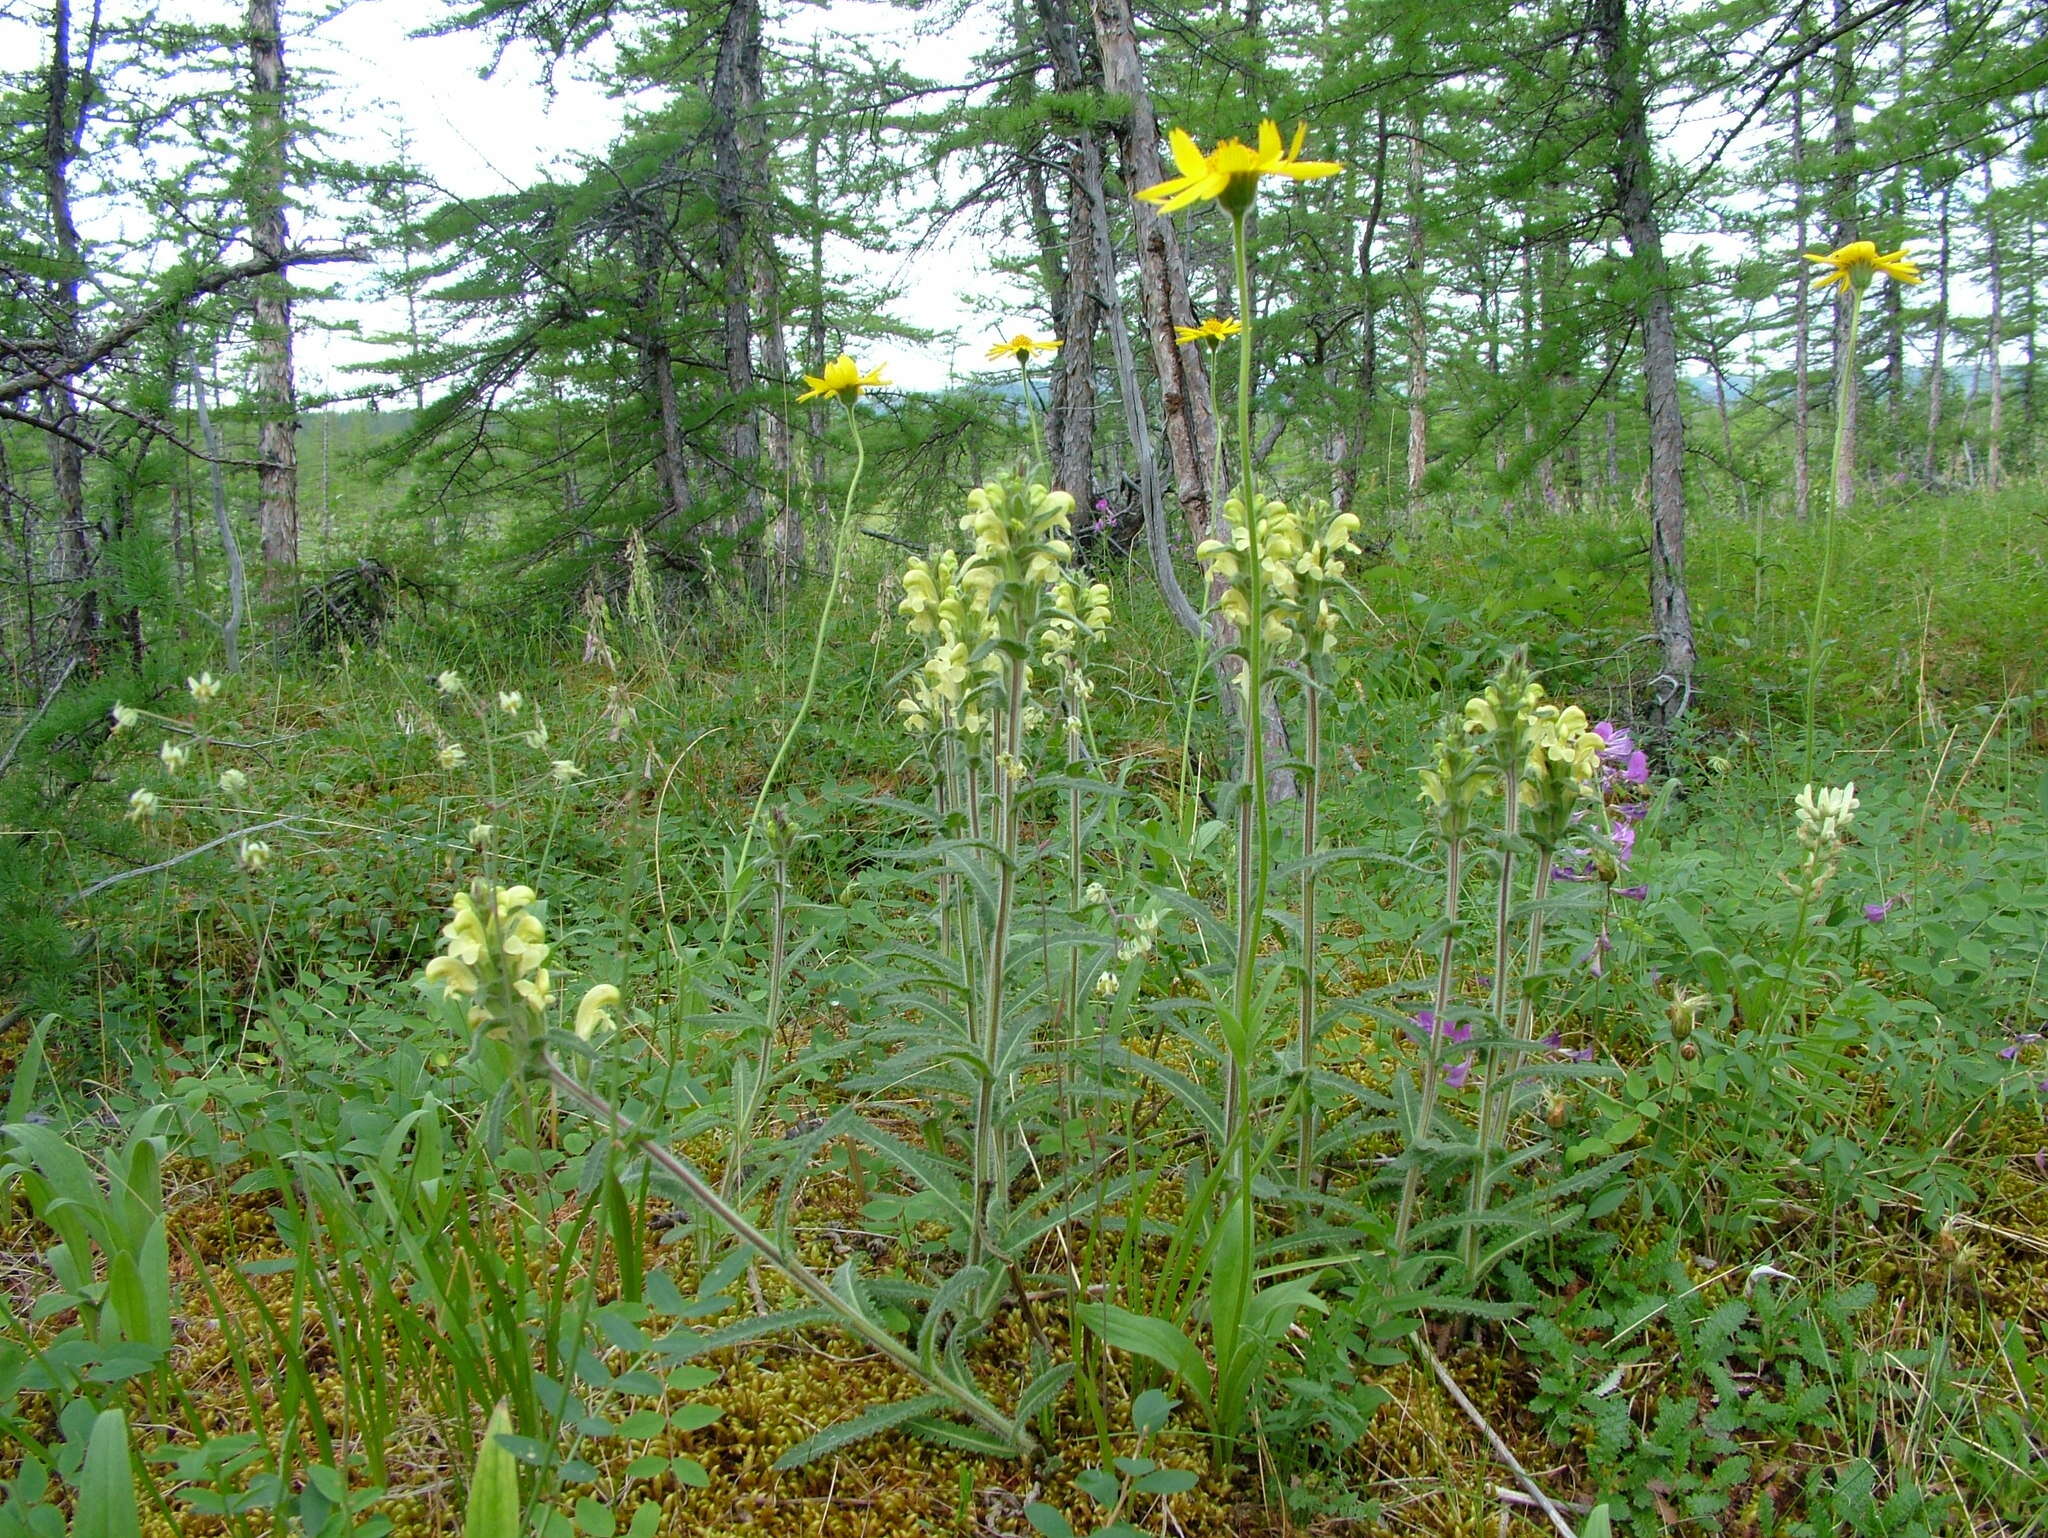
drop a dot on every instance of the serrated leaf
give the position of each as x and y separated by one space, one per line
869 1423
1043 1389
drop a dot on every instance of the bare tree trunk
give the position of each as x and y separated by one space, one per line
1150 498
1351 443
1162 274
1070 417
63 133
1937 369
787 534
1994 468
1418 321
1670 609
231 547
735 93
277 506
658 380
814 332
1842 196
1802 314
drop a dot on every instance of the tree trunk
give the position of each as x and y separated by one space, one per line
1670 611
1070 417
1162 274
1937 368
1842 197
735 94
814 331
1802 314
275 398
1418 321
1994 467
63 132
658 379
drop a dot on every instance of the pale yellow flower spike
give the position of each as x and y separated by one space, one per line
1229 174
841 380
1854 265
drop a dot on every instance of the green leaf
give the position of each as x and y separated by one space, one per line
1047 1520
493 1510
869 1423
1157 1340
106 1485
1150 1412
1043 1389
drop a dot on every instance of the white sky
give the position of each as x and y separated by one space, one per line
478 136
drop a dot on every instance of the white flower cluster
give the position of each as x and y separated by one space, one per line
1821 821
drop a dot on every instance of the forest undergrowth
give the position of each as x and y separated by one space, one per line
1766 1253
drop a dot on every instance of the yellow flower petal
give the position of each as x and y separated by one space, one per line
1230 172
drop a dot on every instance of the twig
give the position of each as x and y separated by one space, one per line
893 539
41 711
177 859
1501 1450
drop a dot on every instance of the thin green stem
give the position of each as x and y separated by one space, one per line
1503 951
1433 1042
1031 406
803 708
1254 873
1845 449
988 1156
1305 1029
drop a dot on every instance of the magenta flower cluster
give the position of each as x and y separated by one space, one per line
1624 774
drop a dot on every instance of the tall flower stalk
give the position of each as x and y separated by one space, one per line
1849 271
844 382
1229 175
1020 348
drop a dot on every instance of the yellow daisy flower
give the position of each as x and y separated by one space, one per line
1019 349
1855 264
842 379
1229 174
1210 333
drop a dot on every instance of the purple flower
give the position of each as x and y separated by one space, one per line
1630 811
2025 1038
1554 1040
1626 763
1460 1072
1877 913
1583 1055
1623 836
1572 872
1449 1030
1632 893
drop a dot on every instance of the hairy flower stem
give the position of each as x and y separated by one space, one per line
1844 477
969 1402
1525 1008
1305 1025
840 541
988 1155
1255 856
1503 952
1433 1045
760 1073
1076 884
1031 406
